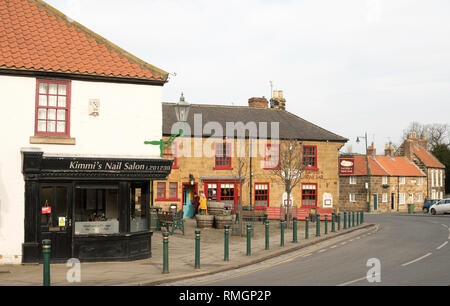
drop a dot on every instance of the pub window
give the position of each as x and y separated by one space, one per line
161 191
96 210
272 156
52 108
261 195
309 195
139 198
173 191
310 157
223 156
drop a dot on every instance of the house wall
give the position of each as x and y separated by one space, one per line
129 115
326 177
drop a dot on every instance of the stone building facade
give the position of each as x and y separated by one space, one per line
415 149
395 182
198 166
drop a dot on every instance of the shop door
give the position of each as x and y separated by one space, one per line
56 219
188 196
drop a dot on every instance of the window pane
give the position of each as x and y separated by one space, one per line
42 126
53 89
42 113
43 88
52 100
61 101
51 126
96 211
61 127
52 114
61 89
42 100
61 114
138 208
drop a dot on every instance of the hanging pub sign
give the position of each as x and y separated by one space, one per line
346 166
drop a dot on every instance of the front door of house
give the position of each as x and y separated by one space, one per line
375 202
188 196
55 211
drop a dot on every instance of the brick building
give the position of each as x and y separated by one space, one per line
215 170
394 182
415 149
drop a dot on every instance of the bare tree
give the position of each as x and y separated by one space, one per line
436 133
241 169
290 168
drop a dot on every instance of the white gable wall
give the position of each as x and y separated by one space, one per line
129 115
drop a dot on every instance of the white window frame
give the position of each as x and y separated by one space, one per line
432 178
385 197
352 180
384 180
352 197
419 181
402 180
401 199
442 178
419 197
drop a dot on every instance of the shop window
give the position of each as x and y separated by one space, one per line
139 204
272 156
161 191
310 157
223 156
96 210
173 191
309 195
211 192
261 195
52 108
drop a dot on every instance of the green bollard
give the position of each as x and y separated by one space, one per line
353 219
282 232
306 228
345 220
226 256
317 225
249 237
294 230
46 249
349 219
362 216
357 217
326 224
333 219
267 233
339 221
197 249
165 253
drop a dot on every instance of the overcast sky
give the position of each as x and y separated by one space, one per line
349 66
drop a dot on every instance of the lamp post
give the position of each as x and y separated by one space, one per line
368 170
181 111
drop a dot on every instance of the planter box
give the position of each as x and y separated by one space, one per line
204 221
221 221
215 208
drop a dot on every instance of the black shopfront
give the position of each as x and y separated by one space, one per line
92 209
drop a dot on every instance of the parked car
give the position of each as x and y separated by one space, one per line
441 207
427 204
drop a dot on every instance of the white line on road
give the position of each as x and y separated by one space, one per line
442 245
416 260
444 225
321 251
306 255
355 281
333 247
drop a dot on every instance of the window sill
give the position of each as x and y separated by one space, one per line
276 168
52 140
311 168
223 168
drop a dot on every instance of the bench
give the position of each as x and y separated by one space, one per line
171 222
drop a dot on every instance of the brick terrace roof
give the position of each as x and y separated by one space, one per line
35 37
426 157
290 126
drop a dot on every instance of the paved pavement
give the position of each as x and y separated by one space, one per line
409 250
181 258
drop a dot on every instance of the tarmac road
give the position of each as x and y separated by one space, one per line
410 250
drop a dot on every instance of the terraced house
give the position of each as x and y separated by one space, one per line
76 110
208 161
392 184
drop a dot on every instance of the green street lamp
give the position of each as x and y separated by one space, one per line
182 112
368 170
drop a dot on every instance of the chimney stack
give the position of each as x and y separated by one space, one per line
371 150
389 151
423 141
278 101
258 102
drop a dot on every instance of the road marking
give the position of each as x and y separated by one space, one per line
306 255
351 240
445 226
358 238
355 281
442 245
321 251
416 260
343 243
333 247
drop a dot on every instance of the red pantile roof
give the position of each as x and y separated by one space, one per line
384 166
36 37
426 157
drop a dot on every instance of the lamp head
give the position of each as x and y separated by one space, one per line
182 109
